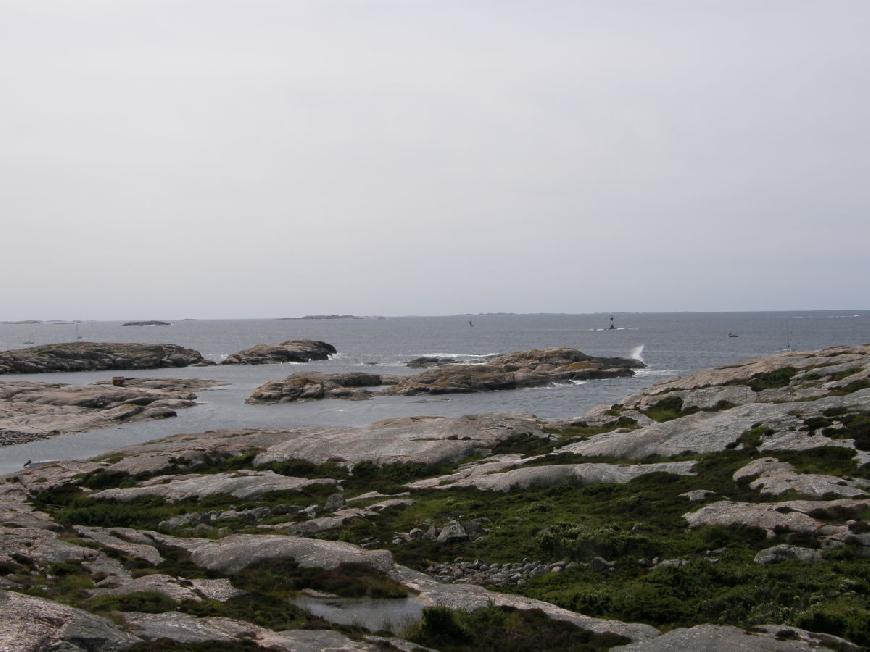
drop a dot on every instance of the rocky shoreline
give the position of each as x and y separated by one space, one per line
97 356
726 510
500 372
30 411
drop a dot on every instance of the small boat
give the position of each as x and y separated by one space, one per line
471 323
732 334
612 326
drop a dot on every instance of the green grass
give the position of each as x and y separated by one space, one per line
503 629
583 430
772 379
825 460
854 386
668 408
70 506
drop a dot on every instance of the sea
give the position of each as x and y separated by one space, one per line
670 344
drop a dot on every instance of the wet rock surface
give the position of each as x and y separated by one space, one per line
96 356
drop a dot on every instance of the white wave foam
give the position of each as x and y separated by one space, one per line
637 353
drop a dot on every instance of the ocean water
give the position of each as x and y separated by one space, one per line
671 344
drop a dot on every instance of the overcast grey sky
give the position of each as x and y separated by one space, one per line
207 158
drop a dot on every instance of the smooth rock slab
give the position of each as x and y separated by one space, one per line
580 474
725 638
239 484
407 439
40 547
775 478
792 515
30 624
233 553
110 539
173 587
35 410
703 432
184 628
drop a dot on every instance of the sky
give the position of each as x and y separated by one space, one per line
253 158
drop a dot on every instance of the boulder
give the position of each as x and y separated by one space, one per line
785 552
452 532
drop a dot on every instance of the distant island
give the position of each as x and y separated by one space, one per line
322 317
149 322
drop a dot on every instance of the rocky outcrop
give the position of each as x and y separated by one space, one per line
233 553
426 361
31 624
787 516
172 587
578 474
96 356
515 370
775 478
239 484
725 638
311 386
510 371
186 629
289 351
147 322
31 410
428 440
786 552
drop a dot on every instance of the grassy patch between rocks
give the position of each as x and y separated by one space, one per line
503 629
